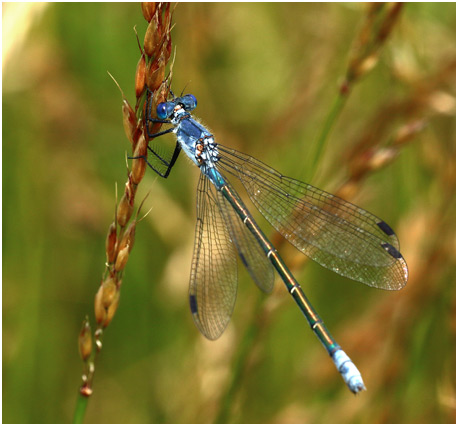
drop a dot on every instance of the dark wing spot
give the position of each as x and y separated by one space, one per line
193 303
385 228
392 251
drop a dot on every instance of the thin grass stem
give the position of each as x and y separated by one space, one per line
319 147
80 409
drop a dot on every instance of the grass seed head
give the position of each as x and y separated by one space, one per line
381 158
128 238
378 25
129 120
109 289
155 73
110 244
153 36
160 95
112 309
148 10
137 132
139 163
392 15
409 131
140 76
150 71
362 66
125 207
167 47
85 340
122 258
99 310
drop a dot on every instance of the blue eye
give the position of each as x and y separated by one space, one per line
161 111
189 102
193 100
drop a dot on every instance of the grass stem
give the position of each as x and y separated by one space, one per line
319 147
80 410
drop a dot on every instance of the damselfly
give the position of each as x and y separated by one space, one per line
335 233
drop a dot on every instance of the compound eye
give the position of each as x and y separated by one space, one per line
193 100
161 111
189 102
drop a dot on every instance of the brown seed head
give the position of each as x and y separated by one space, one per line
128 238
110 244
85 340
155 73
394 10
408 131
137 133
139 163
167 47
379 22
160 95
382 157
99 310
363 66
131 190
140 74
109 290
121 260
148 9
167 17
112 309
129 120
125 207
153 36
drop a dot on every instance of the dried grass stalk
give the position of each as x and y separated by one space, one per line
150 74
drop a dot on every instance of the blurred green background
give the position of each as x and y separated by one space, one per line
265 76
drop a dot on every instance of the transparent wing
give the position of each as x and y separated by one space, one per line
248 247
213 283
335 233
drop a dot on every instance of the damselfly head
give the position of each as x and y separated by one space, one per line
166 109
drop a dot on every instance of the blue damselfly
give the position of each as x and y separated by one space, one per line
335 233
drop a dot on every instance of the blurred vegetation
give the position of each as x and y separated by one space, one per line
265 76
